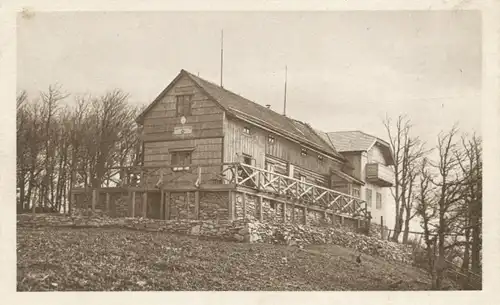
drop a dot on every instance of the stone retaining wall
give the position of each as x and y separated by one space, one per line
214 206
239 230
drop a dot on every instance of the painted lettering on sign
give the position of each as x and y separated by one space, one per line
183 130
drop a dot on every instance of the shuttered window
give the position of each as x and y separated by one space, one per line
369 198
379 201
183 105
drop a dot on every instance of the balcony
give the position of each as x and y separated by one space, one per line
231 176
379 175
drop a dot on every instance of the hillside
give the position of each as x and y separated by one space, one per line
91 259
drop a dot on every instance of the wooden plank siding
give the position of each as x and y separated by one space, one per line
205 140
236 143
280 153
205 120
375 155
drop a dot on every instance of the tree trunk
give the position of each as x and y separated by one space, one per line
406 231
398 226
476 246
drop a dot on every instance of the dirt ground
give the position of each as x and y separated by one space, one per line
118 259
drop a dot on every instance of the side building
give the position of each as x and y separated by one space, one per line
372 161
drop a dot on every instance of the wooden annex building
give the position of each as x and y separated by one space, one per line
211 154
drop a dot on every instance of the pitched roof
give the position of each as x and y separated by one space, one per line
250 111
352 141
346 141
232 101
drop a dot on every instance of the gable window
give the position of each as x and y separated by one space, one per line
180 160
183 105
271 139
303 152
246 130
379 201
369 198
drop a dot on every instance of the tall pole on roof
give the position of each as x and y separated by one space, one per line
284 102
221 55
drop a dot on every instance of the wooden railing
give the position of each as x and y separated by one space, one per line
310 194
247 176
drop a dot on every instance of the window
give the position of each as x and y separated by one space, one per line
302 178
180 160
303 152
246 130
369 198
271 139
247 159
379 201
183 105
355 192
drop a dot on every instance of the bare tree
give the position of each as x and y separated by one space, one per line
449 194
407 151
59 146
470 162
427 210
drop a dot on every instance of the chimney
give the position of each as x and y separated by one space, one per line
268 106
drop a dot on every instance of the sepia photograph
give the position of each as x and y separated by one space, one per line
249 150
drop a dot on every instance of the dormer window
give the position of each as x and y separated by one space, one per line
303 152
246 130
271 139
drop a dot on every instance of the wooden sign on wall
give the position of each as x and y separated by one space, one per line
183 130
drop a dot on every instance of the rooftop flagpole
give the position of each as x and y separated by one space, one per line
221 56
286 79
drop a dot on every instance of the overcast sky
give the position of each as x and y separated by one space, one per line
346 70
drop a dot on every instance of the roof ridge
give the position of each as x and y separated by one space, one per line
234 93
263 107
293 126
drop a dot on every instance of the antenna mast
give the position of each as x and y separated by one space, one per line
221 56
284 102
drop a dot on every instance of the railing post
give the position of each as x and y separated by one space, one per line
162 204
133 204
197 204
382 227
167 205
261 216
305 215
94 200
236 178
284 212
231 205
145 204
244 204
107 203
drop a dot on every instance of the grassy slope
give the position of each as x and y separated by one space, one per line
112 259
